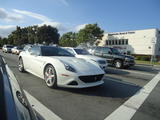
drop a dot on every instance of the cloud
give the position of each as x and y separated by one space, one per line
64 2
32 14
6 30
79 27
9 16
19 14
57 25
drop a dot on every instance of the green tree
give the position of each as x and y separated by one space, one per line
90 34
3 41
68 40
24 36
47 34
16 37
32 34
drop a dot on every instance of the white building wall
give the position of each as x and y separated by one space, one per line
139 41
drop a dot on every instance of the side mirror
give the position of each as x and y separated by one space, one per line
110 52
31 53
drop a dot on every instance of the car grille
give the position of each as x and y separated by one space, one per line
91 78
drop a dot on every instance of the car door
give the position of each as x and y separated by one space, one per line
26 59
37 61
107 53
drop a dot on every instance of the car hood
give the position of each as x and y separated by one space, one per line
90 57
82 66
129 56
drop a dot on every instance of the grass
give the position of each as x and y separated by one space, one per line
147 62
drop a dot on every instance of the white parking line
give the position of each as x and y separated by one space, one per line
129 108
41 109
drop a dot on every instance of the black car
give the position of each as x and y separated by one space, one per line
13 102
114 57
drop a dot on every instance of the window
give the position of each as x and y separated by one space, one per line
98 50
106 50
70 50
119 42
81 51
113 42
116 42
54 51
115 51
27 47
106 42
126 41
34 50
9 46
123 42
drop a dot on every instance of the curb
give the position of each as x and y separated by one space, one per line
149 65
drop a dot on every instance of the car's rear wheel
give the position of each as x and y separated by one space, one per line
20 65
50 76
118 64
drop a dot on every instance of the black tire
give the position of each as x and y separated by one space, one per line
118 64
50 76
20 65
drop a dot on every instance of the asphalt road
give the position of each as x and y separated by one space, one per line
94 103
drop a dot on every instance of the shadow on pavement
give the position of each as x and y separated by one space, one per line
111 88
142 68
111 70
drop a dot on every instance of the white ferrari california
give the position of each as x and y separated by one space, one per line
58 67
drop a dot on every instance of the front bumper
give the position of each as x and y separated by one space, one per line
9 50
80 83
129 63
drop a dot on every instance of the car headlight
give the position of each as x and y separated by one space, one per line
127 59
69 67
96 63
101 61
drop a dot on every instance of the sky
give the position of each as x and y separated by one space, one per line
73 15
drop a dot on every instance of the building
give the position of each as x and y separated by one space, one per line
137 42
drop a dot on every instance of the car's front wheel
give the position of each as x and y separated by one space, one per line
118 63
50 76
20 65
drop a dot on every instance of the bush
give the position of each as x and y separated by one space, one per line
143 58
138 57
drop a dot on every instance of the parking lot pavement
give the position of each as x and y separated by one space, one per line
93 103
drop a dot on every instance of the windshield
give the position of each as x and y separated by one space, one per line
20 48
81 52
55 51
115 51
9 46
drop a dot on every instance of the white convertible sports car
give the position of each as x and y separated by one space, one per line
84 54
58 67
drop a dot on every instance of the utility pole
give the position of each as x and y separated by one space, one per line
153 50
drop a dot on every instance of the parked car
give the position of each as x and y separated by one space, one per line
7 48
84 54
13 104
58 67
17 49
114 57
